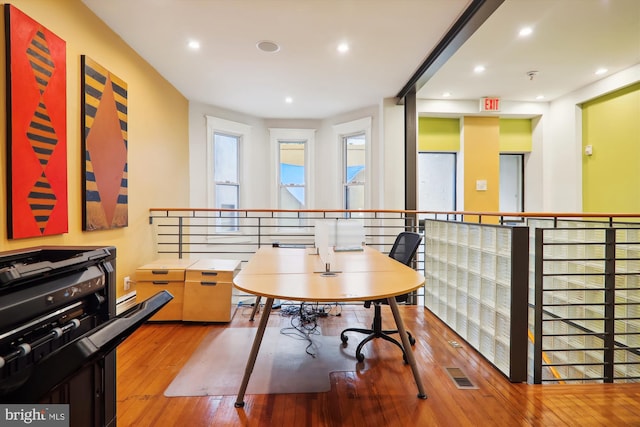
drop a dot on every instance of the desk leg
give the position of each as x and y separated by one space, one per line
407 346
254 352
256 307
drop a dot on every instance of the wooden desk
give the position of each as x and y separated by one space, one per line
296 274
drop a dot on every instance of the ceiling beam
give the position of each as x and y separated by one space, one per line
471 19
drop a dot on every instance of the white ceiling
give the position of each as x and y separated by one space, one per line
571 40
389 40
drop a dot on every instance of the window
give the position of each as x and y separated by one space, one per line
291 150
224 148
354 170
355 153
292 174
226 179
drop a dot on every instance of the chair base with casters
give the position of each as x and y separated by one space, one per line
404 249
376 331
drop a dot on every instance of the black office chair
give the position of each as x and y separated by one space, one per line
403 250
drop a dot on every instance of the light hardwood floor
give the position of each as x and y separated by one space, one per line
382 394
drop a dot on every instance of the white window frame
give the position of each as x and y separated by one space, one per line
341 131
346 185
226 127
278 135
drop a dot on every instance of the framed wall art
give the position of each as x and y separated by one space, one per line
104 145
36 128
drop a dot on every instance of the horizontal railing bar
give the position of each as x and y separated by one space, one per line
574 289
596 334
586 304
573 364
571 274
579 215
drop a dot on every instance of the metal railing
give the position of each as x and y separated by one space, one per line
583 281
587 304
238 233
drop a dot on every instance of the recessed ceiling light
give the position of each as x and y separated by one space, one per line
446 94
268 46
525 31
540 97
479 69
194 44
343 47
601 71
288 100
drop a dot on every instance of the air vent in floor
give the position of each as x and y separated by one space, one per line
460 378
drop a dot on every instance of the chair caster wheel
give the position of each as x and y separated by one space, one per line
360 357
412 340
344 339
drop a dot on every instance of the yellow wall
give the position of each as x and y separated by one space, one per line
481 153
158 174
610 176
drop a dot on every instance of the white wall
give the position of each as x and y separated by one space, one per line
257 172
533 167
537 111
254 153
393 155
553 169
562 150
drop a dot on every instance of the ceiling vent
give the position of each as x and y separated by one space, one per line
268 46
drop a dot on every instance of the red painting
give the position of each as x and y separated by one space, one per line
36 128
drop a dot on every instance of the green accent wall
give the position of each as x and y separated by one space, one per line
441 134
610 176
515 135
438 134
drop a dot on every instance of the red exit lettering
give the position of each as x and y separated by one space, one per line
490 104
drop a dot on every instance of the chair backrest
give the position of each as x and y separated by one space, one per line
403 250
405 247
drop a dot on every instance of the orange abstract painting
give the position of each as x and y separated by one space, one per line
104 130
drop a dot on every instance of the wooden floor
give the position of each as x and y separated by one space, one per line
383 393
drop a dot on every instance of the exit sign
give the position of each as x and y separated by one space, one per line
489 104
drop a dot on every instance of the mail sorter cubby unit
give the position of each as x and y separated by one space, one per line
208 290
477 283
163 274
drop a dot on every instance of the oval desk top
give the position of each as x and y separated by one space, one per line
299 274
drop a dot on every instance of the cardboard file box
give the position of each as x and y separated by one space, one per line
208 290
166 275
